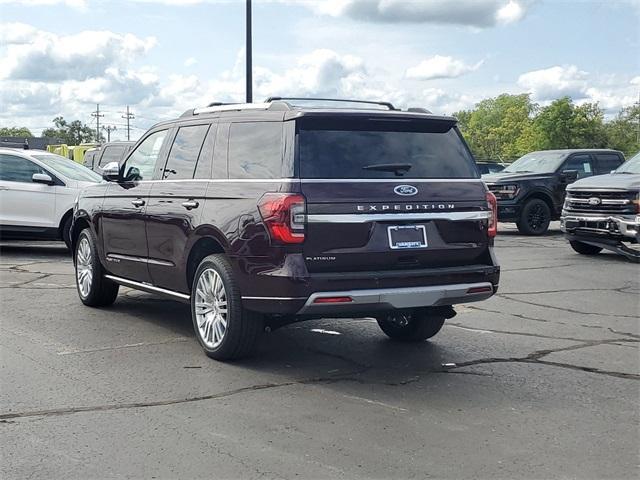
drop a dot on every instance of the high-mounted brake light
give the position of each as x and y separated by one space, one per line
284 216
492 203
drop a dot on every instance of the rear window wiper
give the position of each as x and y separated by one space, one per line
398 168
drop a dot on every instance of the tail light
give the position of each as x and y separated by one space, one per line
284 216
492 203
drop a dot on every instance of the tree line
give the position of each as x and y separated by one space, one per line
508 126
499 129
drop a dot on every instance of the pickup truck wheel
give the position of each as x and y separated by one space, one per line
585 248
535 217
411 325
223 327
93 289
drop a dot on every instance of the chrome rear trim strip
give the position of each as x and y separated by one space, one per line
395 217
147 288
274 298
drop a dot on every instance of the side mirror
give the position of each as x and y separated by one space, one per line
111 172
570 176
42 178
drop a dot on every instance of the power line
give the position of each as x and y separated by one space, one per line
97 116
109 129
128 116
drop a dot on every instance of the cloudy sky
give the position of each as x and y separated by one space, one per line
161 57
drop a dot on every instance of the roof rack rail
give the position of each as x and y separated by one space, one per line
338 100
418 110
230 107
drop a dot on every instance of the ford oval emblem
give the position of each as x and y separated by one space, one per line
594 201
405 190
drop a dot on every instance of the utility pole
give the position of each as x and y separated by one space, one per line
97 114
109 129
249 47
128 116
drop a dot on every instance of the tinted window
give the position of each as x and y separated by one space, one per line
373 149
184 152
580 163
255 150
88 159
142 161
203 168
16 169
607 162
112 153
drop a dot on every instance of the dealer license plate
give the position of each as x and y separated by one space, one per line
407 236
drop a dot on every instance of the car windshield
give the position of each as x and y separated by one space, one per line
630 166
68 168
537 162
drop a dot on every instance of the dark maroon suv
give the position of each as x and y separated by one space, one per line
261 215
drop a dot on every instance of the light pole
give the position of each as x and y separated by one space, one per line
249 89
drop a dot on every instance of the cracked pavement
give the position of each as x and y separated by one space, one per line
540 381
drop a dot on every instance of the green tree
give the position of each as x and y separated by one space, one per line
73 133
500 128
562 124
15 132
623 132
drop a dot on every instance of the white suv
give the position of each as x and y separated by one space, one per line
37 192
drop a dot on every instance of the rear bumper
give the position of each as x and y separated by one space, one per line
280 291
395 298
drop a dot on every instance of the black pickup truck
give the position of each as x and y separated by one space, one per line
531 190
604 212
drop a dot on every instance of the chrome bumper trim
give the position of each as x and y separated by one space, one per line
411 297
625 227
396 217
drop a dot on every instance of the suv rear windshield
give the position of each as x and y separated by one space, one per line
378 148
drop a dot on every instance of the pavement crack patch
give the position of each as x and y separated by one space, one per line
517 315
537 357
506 332
20 284
120 347
564 309
159 403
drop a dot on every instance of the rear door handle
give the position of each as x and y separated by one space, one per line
138 202
190 204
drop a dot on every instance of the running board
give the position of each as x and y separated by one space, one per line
145 287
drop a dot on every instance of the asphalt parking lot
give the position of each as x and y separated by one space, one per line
540 381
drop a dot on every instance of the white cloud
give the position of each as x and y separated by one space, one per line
189 62
609 91
440 66
551 83
476 13
50 57
81 4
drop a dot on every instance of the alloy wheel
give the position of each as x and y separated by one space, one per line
211 308
536 217
84 267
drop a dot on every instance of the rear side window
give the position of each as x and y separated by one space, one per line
255 150
112 154
605 162
373 148
203 168
184 152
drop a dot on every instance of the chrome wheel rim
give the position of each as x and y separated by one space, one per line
84 271
211 308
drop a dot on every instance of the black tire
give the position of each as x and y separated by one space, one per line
101 291
534 218
411 325
66 231
585 248
243 328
